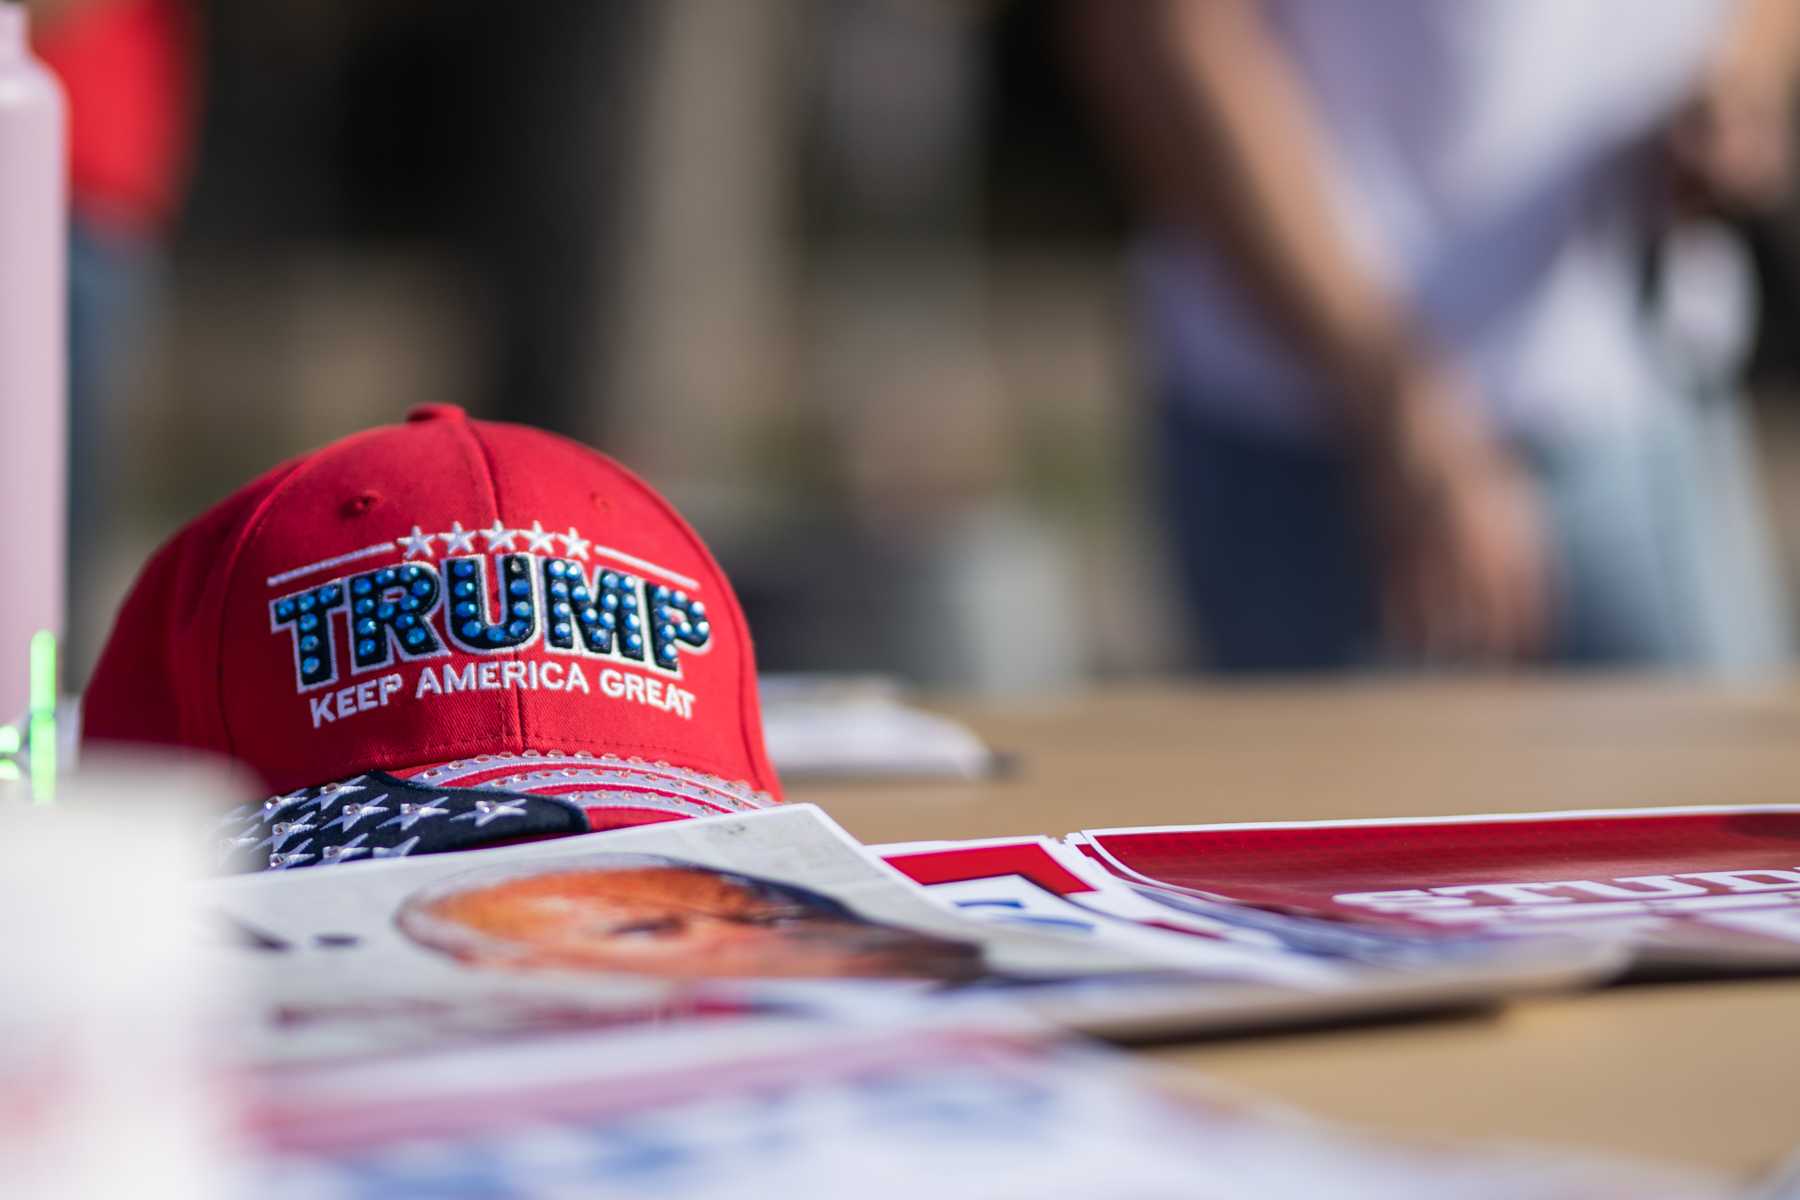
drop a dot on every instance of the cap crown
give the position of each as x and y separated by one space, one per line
435 590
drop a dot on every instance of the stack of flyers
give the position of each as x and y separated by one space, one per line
958 1111
767 913
1268 969
1686 889
1040 883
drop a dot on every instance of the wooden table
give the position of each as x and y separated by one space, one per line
1702 1073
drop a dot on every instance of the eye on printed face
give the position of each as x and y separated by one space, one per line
673 920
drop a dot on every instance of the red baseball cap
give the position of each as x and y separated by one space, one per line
438 634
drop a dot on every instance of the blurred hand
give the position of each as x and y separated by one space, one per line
1731 147
1456 525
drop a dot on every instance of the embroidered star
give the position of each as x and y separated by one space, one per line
499 537
458 540
356 810
492 810
348 850
275 804
281 831
417 543
578 545
332 791
400 851
230 846
281 862
537 540
411 814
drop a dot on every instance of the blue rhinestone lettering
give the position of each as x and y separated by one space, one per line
390 603
469 625
306 615
676 620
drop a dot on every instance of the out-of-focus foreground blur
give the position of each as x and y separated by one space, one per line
844 278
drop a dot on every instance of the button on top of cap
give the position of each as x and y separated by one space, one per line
435 412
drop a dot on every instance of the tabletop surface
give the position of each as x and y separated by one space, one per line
1700 1073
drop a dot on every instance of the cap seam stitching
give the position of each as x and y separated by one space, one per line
745 660
258 517
493 491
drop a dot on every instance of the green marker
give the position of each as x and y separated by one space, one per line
9 752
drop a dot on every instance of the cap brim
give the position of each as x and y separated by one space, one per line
469 803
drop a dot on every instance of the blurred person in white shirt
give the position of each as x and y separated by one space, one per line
1416 404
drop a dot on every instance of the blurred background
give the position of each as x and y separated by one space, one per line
879 293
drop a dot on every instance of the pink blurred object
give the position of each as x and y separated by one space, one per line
33 352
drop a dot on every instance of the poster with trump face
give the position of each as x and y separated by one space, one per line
675 921
1683 887
667 918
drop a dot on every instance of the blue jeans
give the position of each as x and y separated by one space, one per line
1279 576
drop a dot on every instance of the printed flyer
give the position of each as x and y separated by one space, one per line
1693 888
955 1112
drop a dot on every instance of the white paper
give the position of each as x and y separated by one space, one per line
830 727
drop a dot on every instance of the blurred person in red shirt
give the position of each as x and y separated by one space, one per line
130 69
